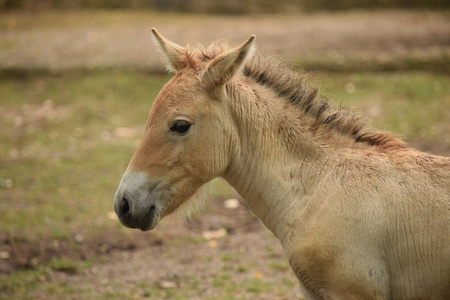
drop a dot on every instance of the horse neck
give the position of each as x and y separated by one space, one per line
274 162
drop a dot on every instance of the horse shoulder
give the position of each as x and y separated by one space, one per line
337 252
343 250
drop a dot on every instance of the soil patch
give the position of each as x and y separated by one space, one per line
22 252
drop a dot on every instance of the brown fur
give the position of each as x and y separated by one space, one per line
359 214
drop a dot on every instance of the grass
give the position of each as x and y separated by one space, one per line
383 62
63 265
278 265
62 152
24 281
59 147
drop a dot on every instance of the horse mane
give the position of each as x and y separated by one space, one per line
293 87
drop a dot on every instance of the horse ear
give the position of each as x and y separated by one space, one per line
173 52
222 68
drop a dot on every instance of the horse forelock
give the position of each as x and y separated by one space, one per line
196 56
295 88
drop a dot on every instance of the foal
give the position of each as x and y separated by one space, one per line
359 214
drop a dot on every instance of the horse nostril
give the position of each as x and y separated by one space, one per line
124 207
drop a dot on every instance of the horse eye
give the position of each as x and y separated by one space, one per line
181 127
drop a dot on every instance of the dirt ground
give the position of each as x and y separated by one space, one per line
61 40
174 256
178 253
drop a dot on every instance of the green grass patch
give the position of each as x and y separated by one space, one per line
227 257
23 282
257 286
383 62
278 265
64 265
223 280
241 269
60 150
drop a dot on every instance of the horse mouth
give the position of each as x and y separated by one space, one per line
149 220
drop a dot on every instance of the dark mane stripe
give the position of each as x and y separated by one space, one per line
292 86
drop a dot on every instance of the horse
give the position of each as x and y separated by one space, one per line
359 213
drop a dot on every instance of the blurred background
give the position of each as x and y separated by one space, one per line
236 7
77 80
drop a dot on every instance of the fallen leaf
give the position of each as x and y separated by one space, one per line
4 255
212 243
215 234
165 284
231 203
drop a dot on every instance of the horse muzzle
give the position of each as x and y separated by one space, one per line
137 202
